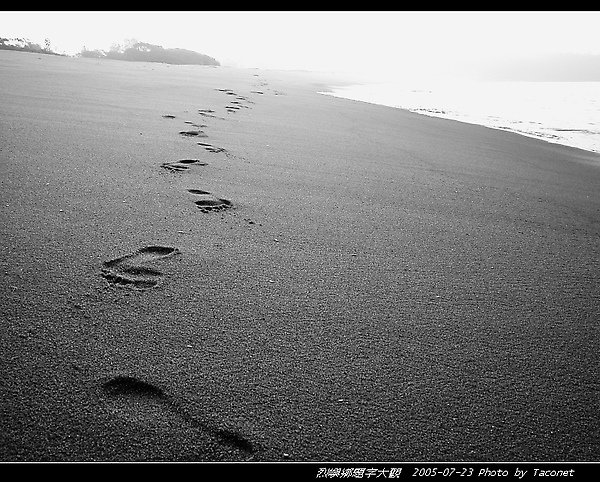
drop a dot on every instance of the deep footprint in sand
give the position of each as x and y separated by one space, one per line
208 202
209 113
128 270
211 148
182 165
215 149
193 124
141 402
193 133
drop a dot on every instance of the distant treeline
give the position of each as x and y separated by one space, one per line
25 45
145 52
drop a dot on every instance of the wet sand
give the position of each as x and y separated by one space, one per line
218 264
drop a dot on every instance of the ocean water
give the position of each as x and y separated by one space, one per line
565 113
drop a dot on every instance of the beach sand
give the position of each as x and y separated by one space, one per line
343 282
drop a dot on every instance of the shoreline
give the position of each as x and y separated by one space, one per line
334 92
224 265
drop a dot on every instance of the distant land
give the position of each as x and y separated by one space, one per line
24 45
145 52
134 52
559 67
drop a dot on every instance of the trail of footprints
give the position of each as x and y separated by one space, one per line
132 270
208 202
131 397
239 103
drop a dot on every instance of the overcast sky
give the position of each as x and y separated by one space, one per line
385 42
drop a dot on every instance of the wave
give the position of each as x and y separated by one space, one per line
560 112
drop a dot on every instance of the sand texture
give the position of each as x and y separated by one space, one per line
217 264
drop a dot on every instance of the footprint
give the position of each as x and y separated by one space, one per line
182 165
215 149
193 124
130 386
208 202
129 270
211 148
227 91
138 401
193 133
197 191
207 113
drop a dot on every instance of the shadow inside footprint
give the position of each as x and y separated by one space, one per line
210 147
130 386
193 124
209 113
155 251
137 401
234 439
182 165
144 403
208 202
134 277
190 161
129 271
193 133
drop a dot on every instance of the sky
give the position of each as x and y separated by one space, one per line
374 43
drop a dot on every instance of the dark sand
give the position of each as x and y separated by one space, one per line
382 286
